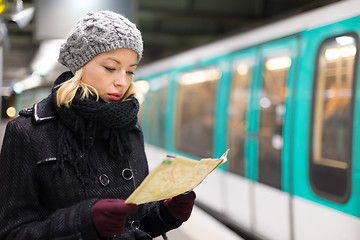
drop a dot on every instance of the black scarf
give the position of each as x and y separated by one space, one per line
87 119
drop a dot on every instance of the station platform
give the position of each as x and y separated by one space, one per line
201 226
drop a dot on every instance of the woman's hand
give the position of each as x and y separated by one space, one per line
180 207
109 216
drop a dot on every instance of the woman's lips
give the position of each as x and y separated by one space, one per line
114 96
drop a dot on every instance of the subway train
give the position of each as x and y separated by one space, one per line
285 99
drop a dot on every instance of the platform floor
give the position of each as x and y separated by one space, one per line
201 226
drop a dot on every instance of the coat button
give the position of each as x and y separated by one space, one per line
104 180
127 174
135 224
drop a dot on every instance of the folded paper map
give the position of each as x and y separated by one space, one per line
174 176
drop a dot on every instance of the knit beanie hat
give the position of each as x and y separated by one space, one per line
96 33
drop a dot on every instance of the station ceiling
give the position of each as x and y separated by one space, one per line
171 26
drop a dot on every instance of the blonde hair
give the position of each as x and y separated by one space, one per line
67 90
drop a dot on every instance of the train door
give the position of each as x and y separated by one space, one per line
270 128
326 158
237 187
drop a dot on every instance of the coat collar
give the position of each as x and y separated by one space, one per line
44 110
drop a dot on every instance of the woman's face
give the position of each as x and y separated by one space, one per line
111 73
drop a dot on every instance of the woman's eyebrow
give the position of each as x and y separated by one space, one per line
113 59
118 62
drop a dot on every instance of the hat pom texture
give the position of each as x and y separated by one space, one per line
96 33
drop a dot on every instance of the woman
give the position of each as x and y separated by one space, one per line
68 163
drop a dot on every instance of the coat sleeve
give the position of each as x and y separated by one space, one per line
21 213
157 220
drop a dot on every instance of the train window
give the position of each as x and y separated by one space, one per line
157 109
195 104
163 101
332 114
238 101
152 115
272 111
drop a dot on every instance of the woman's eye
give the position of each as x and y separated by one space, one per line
109 69
130 73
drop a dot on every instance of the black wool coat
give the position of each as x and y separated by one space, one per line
39 202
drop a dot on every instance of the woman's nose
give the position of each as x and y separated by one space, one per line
120 79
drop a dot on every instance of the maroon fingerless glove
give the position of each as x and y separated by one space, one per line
109 216
180 207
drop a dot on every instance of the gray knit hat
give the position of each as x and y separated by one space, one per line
96 33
